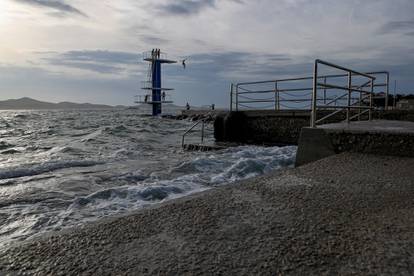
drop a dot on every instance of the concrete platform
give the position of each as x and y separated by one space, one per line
382 137
376 126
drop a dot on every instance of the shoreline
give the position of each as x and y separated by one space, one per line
346 214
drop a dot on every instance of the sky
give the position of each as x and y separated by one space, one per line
91 51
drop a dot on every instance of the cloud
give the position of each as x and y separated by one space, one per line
58 5
242 65
406 27
153 40
98 61
104 56
186 7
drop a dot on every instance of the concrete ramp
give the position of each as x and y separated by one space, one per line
382 137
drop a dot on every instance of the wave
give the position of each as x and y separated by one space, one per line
5 145
36 169
239 163
126 198
189 177
10 151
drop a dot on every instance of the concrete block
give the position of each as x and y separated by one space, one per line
314 144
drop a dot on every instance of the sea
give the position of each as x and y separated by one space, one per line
61 169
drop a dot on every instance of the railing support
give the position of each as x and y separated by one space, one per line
348 110
202 132
231 97
277 103
387 90
237 97
314 94
371 100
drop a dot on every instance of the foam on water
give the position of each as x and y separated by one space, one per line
36 169
93 164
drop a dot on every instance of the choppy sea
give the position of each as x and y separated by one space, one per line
60 169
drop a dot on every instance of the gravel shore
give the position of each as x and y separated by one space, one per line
349 214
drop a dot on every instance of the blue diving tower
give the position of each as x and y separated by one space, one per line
155 94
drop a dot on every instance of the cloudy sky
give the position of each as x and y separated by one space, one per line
91 51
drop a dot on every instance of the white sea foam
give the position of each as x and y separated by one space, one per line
32 169
195 175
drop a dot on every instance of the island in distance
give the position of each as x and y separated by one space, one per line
29 103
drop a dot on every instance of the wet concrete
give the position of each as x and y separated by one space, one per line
375 126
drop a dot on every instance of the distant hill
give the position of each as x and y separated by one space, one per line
29 103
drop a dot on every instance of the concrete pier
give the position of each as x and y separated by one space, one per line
261 127
382 137
279 127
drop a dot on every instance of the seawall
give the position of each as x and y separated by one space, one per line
380 137
278 127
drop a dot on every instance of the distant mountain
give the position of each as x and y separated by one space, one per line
29 103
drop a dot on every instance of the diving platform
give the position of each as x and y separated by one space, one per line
158 95
157 88
153 102
168 61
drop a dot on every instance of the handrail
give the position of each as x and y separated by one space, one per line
203 130
319 61
190 129
243 88
350 88
296 94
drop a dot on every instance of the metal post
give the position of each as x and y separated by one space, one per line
395 94
278 97
359 104
231 97
371 100
314 94
237 97
202 132
387 91
277 106
348 110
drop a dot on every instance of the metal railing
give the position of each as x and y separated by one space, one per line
204 131
297 93
149 55
361 105
147 98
